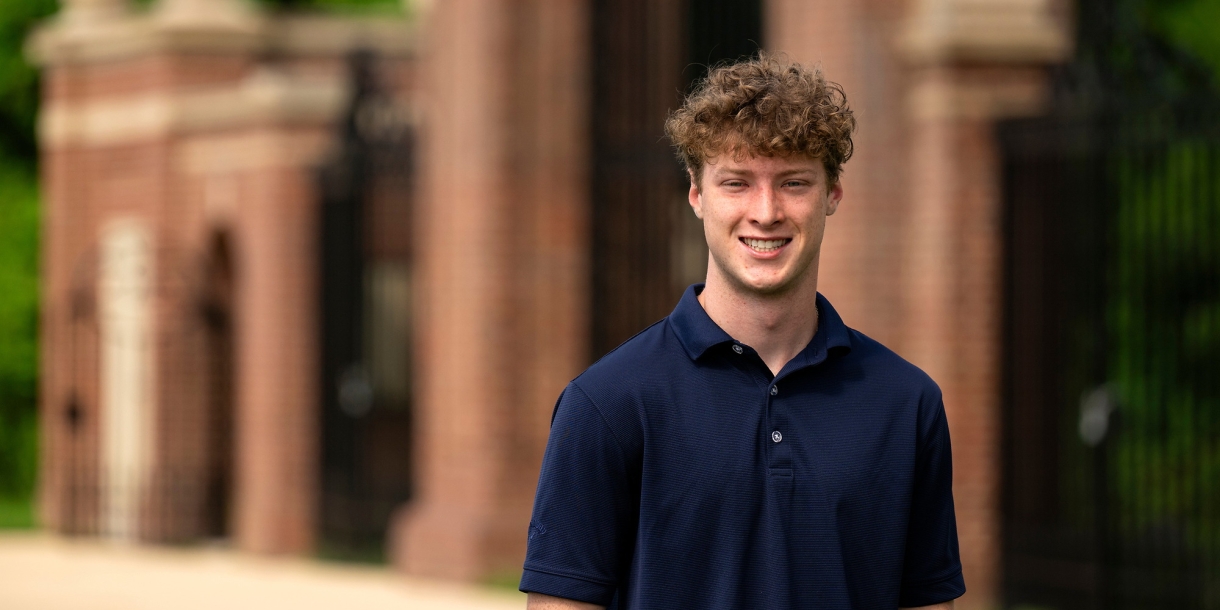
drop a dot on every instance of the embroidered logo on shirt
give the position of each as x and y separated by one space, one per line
536 530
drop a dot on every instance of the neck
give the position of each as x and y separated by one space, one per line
778 325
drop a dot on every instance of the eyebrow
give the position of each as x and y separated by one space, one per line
746 172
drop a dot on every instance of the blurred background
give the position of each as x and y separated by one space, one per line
306 277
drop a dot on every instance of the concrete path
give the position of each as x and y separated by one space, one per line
42 572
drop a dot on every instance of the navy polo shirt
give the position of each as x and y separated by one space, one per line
680 473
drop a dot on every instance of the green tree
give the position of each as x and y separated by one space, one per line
18 80
1189 24
18 261
1156 64
18 333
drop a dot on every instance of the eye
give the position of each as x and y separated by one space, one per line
733 183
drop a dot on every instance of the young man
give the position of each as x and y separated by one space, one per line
750 451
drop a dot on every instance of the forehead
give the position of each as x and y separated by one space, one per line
728 163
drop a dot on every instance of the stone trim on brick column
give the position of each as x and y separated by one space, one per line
972 63
984 31
112 33
90 12
198 14
265 97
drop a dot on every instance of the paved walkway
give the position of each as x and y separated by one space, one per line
42 572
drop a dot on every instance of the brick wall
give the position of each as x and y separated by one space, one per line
199 133
502 325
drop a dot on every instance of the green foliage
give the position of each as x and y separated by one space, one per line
1164 320
18 329
1142 300
18 261
1191 25
18 80
1163 306
17 514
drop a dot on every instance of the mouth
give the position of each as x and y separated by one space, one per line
765 246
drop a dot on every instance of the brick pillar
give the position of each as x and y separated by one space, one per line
953 282
196 119
277 462
115 114
912 256
503 253
970 66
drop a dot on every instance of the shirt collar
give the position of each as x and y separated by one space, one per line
698 333
831 335
694 328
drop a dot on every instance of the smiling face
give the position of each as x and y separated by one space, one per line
763 218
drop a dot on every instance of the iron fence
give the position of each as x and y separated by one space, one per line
366 282
1112 470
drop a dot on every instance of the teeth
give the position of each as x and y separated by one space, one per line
764 245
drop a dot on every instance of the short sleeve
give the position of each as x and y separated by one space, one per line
932 569
583 523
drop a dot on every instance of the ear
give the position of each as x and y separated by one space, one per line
833 197
693 196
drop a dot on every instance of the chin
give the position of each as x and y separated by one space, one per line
764 288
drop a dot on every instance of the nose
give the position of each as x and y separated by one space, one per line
765 210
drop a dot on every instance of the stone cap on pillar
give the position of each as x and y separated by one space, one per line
256 93
87 12
982 59
985 31
231 24
105 30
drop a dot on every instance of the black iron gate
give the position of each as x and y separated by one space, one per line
365 334
647 245
1112 420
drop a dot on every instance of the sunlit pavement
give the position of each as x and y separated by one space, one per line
43 572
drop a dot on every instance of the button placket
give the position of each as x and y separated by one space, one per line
776 435
779 449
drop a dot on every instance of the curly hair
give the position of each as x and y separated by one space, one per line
766 106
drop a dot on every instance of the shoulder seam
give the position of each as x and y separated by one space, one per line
629 339
602 415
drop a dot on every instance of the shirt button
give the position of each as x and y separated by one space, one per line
776 436
737 348
774 390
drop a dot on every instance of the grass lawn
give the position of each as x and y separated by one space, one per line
17 513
